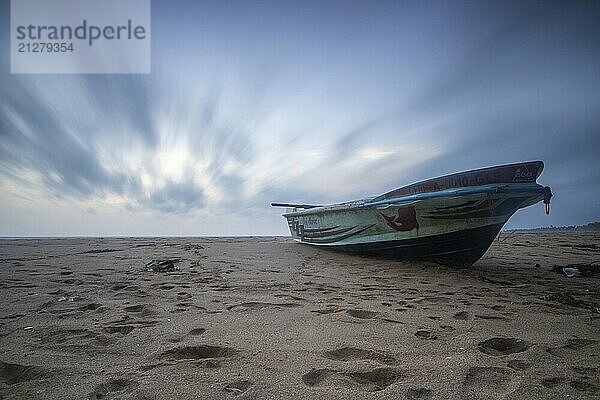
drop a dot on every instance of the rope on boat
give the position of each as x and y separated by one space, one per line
509 235
547 197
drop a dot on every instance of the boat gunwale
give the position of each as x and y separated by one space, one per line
540 165
533 187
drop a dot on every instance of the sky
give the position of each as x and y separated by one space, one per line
250 102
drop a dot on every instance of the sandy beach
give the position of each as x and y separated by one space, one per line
267 318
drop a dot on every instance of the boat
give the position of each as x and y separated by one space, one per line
452 219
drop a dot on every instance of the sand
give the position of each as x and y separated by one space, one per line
267 318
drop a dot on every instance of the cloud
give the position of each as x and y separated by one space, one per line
34 138
176 197
89 150
288 105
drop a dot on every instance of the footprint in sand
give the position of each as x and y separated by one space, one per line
490 317
90 307
502 346
197 331
418 393
585 387
257 305
425 334
198 353
316 376
12 374
551 382
136 308
353 353
462 315
330 311
571 346
489 383
184 296
518 365
126 325
76 337
434 300
193 332
122 329
375 380
103 390
370 381
142 310
361 314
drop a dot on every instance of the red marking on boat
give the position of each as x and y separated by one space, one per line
404 220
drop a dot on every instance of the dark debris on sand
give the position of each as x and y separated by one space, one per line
98 251
568 300
165 265
585 270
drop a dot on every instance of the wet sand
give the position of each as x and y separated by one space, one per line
266 318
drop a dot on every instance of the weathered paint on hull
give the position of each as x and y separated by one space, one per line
453 226
458 248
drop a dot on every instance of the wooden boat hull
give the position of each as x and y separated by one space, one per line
454 225
459 248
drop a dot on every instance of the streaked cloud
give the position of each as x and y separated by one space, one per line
311 102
